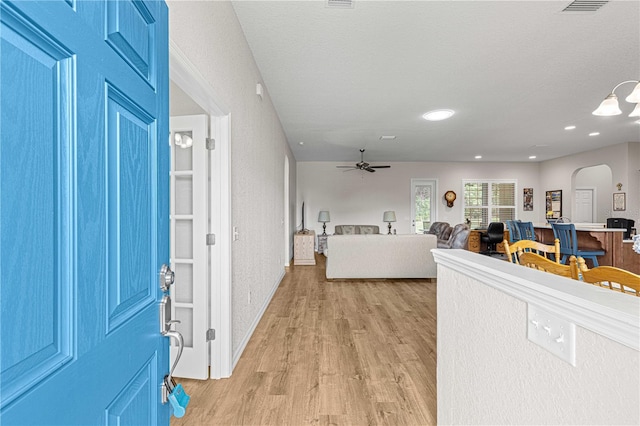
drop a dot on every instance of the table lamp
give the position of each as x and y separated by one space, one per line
324 217
389 217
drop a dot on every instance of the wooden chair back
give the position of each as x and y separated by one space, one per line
514 250
535 261
608 276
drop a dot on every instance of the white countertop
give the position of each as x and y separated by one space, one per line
588 227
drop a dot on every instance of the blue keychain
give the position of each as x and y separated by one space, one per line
179 401
177 396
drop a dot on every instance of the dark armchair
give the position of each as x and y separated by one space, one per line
457 239
493 236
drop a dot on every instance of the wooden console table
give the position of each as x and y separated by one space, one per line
303 245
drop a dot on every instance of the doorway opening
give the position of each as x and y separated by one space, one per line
423 204
191 94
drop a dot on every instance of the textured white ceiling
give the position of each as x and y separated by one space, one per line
515 72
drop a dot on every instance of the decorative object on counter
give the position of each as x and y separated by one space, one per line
324 217
610 107
553 206
636 244
527 199
450 197
389 216
619 201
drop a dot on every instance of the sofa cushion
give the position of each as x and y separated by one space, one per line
368 229
356 229
348 229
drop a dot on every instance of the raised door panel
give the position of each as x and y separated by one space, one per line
37 228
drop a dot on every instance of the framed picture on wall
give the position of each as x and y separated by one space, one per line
527 199
553 204
619 201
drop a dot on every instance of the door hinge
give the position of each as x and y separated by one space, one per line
211 144
211 239
211 334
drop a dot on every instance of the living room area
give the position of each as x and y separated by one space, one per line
475 318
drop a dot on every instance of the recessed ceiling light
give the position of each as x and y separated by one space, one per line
594 133
300 143
532 157
570 127
438 114
387 138
477 157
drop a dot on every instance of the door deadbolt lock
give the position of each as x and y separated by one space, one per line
167 277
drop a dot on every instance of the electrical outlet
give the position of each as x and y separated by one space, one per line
556 335
236 234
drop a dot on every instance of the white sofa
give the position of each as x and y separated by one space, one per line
381 256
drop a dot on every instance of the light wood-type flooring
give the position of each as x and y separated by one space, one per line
352 352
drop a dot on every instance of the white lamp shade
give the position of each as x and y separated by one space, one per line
634 97
323 216
608 107
636 111
389 216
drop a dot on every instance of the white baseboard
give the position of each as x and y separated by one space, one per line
238 353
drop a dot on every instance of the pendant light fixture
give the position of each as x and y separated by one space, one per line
610 107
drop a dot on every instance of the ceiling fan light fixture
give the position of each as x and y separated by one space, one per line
608 107
438 114
634 96
636 111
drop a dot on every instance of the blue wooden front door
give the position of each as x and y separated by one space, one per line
83 211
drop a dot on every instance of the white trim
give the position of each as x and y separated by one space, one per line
220 209
602 311
254 324
186 76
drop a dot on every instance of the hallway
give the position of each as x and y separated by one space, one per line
340 352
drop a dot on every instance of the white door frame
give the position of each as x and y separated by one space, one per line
186 76
434 203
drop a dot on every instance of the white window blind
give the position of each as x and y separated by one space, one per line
488 201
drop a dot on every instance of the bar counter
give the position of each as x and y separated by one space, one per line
596 237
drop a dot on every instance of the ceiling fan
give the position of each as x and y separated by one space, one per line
362 165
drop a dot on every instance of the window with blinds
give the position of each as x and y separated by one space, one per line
489 201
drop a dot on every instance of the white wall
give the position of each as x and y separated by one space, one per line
221 54
490 373
360 198
624 162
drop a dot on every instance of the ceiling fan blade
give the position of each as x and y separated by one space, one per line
346 167
380 167
369 169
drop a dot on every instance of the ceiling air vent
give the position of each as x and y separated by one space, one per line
585 6
340 4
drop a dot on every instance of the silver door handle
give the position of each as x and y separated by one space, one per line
176 335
